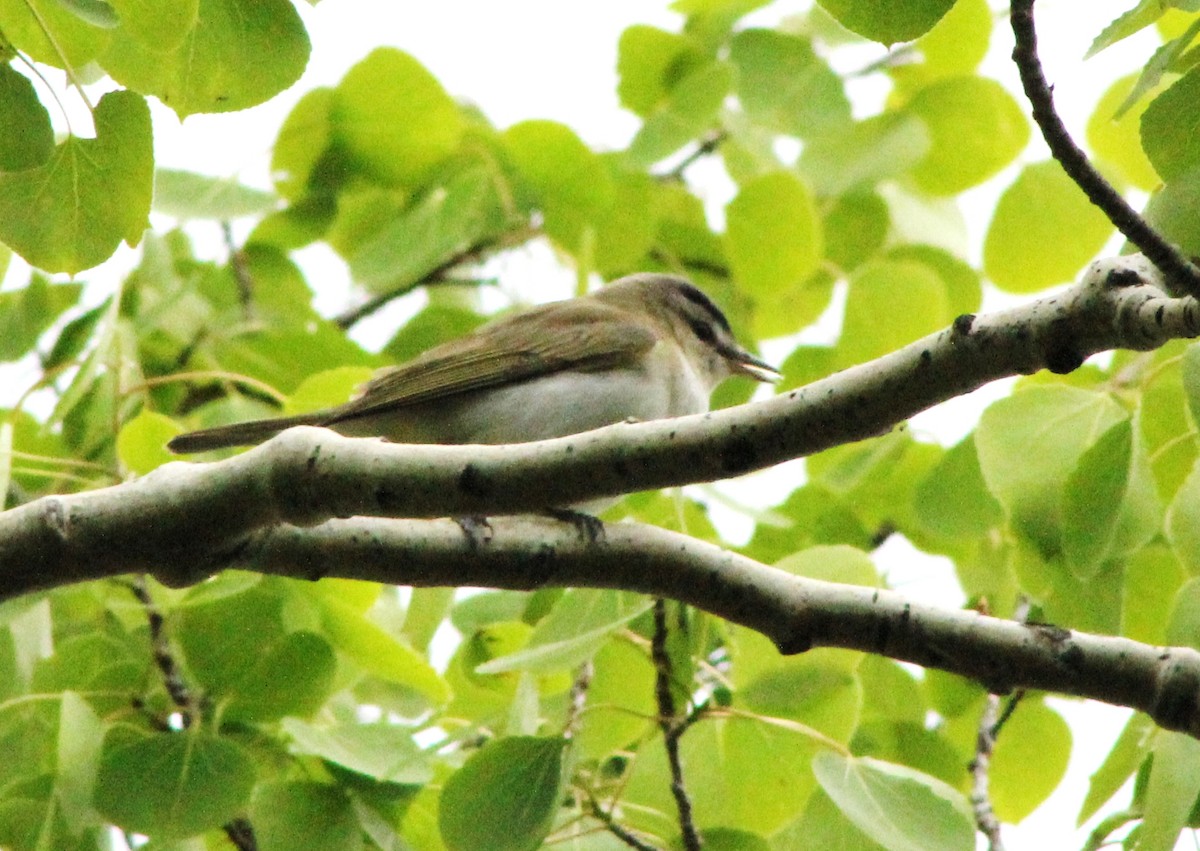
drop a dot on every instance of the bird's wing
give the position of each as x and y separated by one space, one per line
581 335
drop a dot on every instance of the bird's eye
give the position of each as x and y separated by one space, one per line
703 330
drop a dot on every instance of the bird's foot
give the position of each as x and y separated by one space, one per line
477 529
589 526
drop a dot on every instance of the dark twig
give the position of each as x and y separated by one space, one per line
440 274
164 658
671 728
707 145
1181 272
239 830
618 830
241 834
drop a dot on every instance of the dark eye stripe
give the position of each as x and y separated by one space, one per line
703 330
699 299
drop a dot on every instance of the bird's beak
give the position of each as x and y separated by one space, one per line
742 362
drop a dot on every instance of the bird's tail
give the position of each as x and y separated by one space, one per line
239 434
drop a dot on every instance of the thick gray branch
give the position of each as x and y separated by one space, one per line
526 553
183 519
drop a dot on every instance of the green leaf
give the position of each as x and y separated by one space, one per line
158 25
823 825
505 796
326 388
953 499
1171 791
80 733
1126 24
448 220
901 809
171 785
1028 446
394 118
864 153
568 181
855 229
291 677
1029 760
909 293
290 815
580 622
690 109
1174 210
239 54
1190 374
1110 506
302 143
380 653
773 234
620 700
741 773
837 563
1130 750
142 442
975 127
1153 577
25 314
95 12
385 752
784 85
1115 140
650 62
1183 624
959 41
1183 521
70 213
47 31
1043 231
28 139
888 22
187 195
1167 126
436 324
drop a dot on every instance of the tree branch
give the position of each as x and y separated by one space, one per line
672 727
1182 274
269 509
183 520
438 275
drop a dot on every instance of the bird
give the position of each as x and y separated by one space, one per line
647 346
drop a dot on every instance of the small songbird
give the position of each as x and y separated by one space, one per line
645 347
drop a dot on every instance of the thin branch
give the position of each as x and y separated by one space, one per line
578 697
164 658
980 765
672 729
1180 272
990 724
707 145
241 833
239 830
618 830
438 275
